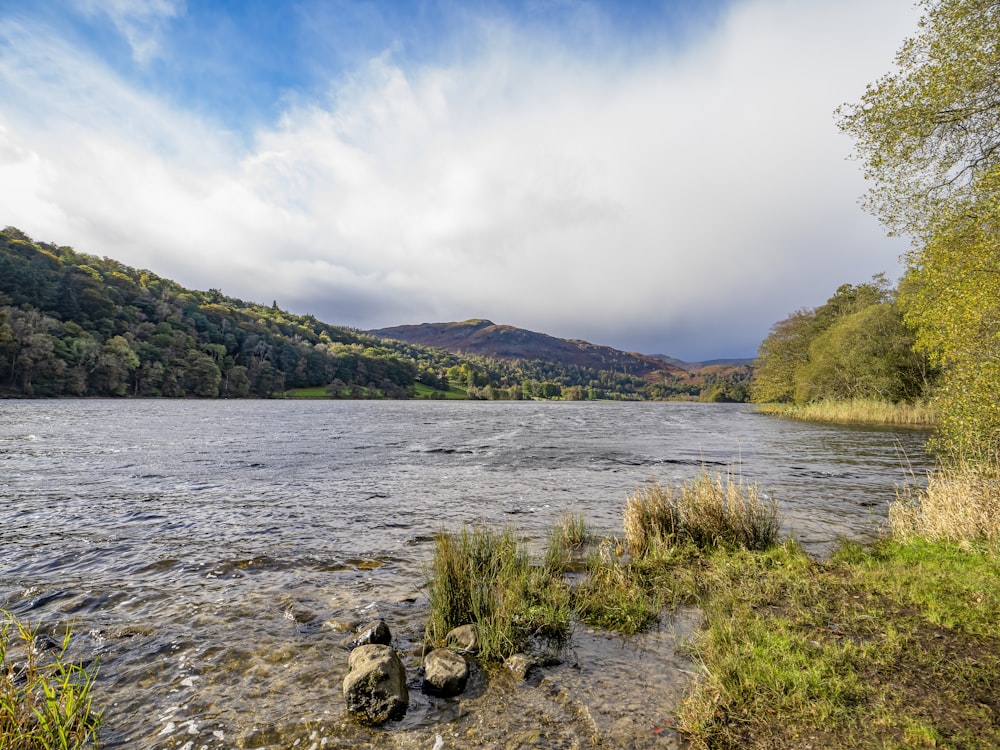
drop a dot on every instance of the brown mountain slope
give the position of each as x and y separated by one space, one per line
487 339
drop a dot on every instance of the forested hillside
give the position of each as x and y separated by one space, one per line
73 324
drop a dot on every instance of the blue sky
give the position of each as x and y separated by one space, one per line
663 177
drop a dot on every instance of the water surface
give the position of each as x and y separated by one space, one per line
214 554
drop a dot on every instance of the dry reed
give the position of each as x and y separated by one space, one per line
706 511
959 504
857 411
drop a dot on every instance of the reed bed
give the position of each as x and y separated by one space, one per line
706 512
45 701
960 503
857 411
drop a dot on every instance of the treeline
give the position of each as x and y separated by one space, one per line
856 346
498 379
73 324
78 325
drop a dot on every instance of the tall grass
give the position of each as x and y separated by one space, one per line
961 503
45 702
706 512
857 411
486 578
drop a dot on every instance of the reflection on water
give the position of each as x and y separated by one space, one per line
214 555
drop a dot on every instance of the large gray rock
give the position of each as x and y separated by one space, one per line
445 672
375 687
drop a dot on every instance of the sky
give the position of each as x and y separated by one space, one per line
660 176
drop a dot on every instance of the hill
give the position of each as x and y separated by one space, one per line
73 324
694 366
487 339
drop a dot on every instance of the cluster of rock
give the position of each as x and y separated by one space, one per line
375 687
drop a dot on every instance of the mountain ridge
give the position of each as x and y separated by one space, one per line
485 338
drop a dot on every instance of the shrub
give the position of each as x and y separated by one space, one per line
45 702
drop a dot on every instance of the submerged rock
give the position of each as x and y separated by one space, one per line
375 687
375 632
446 672
521 665
464 637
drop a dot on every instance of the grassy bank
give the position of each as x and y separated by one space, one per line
856 412
894 645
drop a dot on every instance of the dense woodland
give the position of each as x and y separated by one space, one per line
73 324
856 346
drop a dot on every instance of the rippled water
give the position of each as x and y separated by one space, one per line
214 555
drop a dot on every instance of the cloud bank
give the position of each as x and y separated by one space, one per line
678 198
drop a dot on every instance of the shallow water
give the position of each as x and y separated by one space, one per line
214 555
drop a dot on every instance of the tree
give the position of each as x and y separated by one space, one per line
855 346
201 375
781 354
952 298
928 132
929 135
30 348
867 354
115 364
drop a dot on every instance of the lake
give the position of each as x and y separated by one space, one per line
214 555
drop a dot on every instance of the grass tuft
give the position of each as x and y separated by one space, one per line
486 578
617 595
706 512
45 702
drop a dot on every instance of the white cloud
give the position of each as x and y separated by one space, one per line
141 22
644 205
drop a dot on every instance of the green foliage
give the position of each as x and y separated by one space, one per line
928 131
856 346
867 354
45 702
929 138
781 355
952 298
